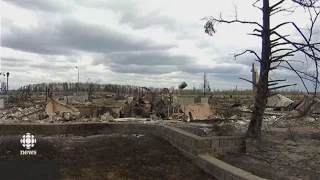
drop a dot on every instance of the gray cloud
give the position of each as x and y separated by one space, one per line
142 69
161 64
232 69
13 60
144 62
71 35
60 40
130 14
40 5
153 19
146 58
128 10
52 58
13 64
42 41
56 67
9 62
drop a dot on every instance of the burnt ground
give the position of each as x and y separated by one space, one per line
279 155
108 157
285 156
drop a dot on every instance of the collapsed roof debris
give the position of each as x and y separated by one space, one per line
306 104
16 113
54 108
136 108
279 101
197 111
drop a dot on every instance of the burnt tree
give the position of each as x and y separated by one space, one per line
91 88
277 50
205 85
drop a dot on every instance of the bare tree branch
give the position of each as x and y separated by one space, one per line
272 8
306 3
248 81
211 21
282 49
278 80
272 84
254 5
280 87
250 51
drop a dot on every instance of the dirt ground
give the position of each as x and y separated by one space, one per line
285 156
108 157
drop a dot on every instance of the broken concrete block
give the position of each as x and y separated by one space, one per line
106 117
25 119
56 118
88 104
66 116
17 115
154 117
234 117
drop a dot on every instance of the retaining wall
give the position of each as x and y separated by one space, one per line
193 146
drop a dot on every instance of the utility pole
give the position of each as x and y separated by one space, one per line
8 82
204 84
78 82
8 86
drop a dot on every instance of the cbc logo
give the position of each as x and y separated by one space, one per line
28 141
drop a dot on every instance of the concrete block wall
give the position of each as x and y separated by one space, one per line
184 140
198 145
222 170
191 145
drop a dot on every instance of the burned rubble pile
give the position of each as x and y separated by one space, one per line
52 111
234 118
182 112
17 113
281 112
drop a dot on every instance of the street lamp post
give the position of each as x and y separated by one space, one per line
78 82
8 81
194 88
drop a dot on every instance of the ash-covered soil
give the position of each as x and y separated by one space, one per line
285 156
108 157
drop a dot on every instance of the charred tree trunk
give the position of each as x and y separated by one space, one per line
254 129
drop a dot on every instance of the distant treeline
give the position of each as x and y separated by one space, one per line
69 87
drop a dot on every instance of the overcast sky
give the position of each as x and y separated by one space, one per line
156 43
